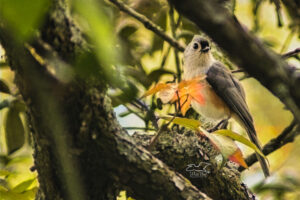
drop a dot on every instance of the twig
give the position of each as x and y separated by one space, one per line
278 12
173 29
164 59
287 41
291 53
164 127
139 128
237 70
155 138
255 15
153 117
148 24
132 111
286 136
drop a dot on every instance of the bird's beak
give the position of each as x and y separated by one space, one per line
205 50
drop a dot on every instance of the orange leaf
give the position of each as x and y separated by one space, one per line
155 89
184 92
195 91
168 93
185 103
237 157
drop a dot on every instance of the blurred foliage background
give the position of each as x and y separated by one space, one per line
140 59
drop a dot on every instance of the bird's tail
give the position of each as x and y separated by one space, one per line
263 162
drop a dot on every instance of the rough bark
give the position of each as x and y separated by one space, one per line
81 152
180 150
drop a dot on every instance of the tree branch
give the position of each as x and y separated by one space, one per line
263 64
148 24
291 53
181 150
286 136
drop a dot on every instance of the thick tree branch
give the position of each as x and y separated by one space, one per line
245 50
183 150
148 24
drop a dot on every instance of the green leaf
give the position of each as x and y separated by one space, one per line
23 17
4 172
188 123
240 139
127 30
94 20
129 92
124 114
21 187
156 74
5 103
14 131
18 105
27 195
157 42
4 87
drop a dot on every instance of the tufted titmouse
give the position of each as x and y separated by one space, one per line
223 94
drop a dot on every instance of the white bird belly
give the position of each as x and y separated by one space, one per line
213 107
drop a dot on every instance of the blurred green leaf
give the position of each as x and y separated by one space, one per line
147 80
5 103
3 64
98 27
4 172
23 186
9 195
129 92
127 30
4 87
87 65
157 43
155 75
18 105
2 189
189 26
124 114
14 131
4 159
23 17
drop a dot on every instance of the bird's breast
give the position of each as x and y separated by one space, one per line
213 107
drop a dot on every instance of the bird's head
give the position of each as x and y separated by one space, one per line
197 56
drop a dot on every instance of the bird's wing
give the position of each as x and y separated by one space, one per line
230 91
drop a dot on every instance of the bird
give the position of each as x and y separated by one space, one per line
223 94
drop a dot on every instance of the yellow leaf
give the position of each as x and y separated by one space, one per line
188 123
240 139
224 144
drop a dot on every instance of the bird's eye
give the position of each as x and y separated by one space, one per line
195 46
